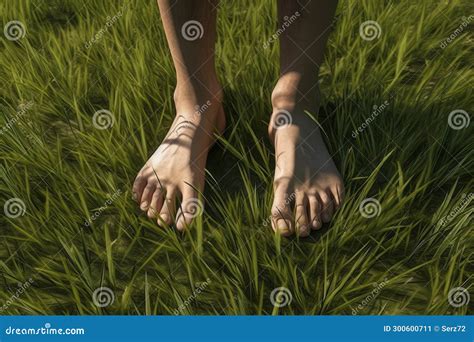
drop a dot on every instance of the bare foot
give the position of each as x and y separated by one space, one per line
308 187
168 186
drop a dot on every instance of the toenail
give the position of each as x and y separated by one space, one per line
283 227
181 227
144 205
316 223
163 218
283 231
303 228
134 196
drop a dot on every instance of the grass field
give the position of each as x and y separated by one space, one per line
74 242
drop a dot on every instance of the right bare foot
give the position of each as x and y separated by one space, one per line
175 171
305 174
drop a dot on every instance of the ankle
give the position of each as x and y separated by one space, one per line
198 95
296 90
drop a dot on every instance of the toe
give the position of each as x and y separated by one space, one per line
156 203
327 206
146 196
283 227
301 216
336 198
168 209
282 214
189 209
338 193
314 212
138 186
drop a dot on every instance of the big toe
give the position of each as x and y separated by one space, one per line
283 227
282 221
138 186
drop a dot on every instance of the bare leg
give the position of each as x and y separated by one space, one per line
305 173
175 172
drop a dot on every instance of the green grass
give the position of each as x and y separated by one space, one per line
64 170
